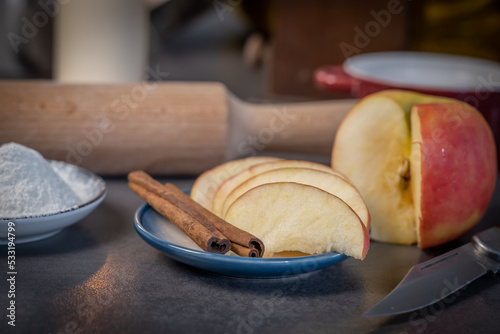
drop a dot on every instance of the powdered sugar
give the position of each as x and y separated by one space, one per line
84 186
31 186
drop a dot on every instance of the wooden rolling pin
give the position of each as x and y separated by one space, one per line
162 128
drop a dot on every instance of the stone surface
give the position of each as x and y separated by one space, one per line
99 276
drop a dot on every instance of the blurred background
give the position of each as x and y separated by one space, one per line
261 50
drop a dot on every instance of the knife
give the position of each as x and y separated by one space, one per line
160 127
436 279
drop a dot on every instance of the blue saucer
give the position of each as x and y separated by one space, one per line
169 239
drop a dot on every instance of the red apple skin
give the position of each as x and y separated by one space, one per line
458 170
366 242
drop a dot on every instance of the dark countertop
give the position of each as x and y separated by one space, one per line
99 276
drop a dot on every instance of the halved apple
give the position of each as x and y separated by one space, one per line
206 184
231 183
383 147
328 182
289 216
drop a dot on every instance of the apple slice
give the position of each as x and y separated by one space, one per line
289 216
229 184
328 182
453 170
206 184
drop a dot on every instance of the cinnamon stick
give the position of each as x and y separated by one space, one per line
242 242
244 251
209 240
233 233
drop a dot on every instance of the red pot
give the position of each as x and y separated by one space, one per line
472 80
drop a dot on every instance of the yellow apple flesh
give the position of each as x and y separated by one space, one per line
207 183
234 181
328 182
289 216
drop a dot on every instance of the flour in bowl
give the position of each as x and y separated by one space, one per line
29 186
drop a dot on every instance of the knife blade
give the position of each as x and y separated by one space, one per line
436 279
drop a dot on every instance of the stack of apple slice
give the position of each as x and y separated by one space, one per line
290 205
